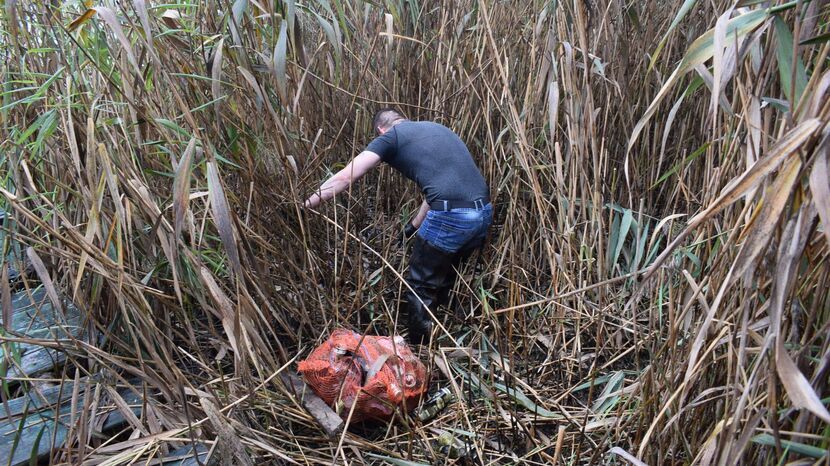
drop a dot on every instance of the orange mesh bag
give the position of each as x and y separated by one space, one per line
376 377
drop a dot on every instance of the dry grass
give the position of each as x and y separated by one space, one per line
657 281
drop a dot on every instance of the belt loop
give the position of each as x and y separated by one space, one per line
479 204
446 206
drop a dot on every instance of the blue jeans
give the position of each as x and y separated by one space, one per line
456 229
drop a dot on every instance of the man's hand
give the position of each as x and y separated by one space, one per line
413 225
408 232
312 201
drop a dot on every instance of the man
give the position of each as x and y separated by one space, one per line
452 220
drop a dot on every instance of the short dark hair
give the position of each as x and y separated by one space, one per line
385 118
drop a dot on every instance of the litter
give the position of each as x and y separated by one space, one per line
373 374
435 404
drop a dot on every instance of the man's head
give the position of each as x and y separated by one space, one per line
385 119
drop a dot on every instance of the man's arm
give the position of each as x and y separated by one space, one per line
421 215
412 227
341 180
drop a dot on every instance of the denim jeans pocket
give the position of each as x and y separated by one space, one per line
453 226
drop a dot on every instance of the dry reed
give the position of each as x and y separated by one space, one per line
655 288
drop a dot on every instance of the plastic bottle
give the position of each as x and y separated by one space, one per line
435 404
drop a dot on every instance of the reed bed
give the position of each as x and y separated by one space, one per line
655 289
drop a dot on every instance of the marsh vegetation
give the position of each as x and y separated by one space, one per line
655 285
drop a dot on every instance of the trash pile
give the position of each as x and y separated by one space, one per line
371 375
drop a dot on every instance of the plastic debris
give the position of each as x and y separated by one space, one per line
372 375
435 404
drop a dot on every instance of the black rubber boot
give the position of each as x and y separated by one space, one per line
428 271
449 281
452 275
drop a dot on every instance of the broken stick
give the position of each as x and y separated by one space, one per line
328 420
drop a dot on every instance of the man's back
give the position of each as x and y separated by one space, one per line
435 158
450 224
